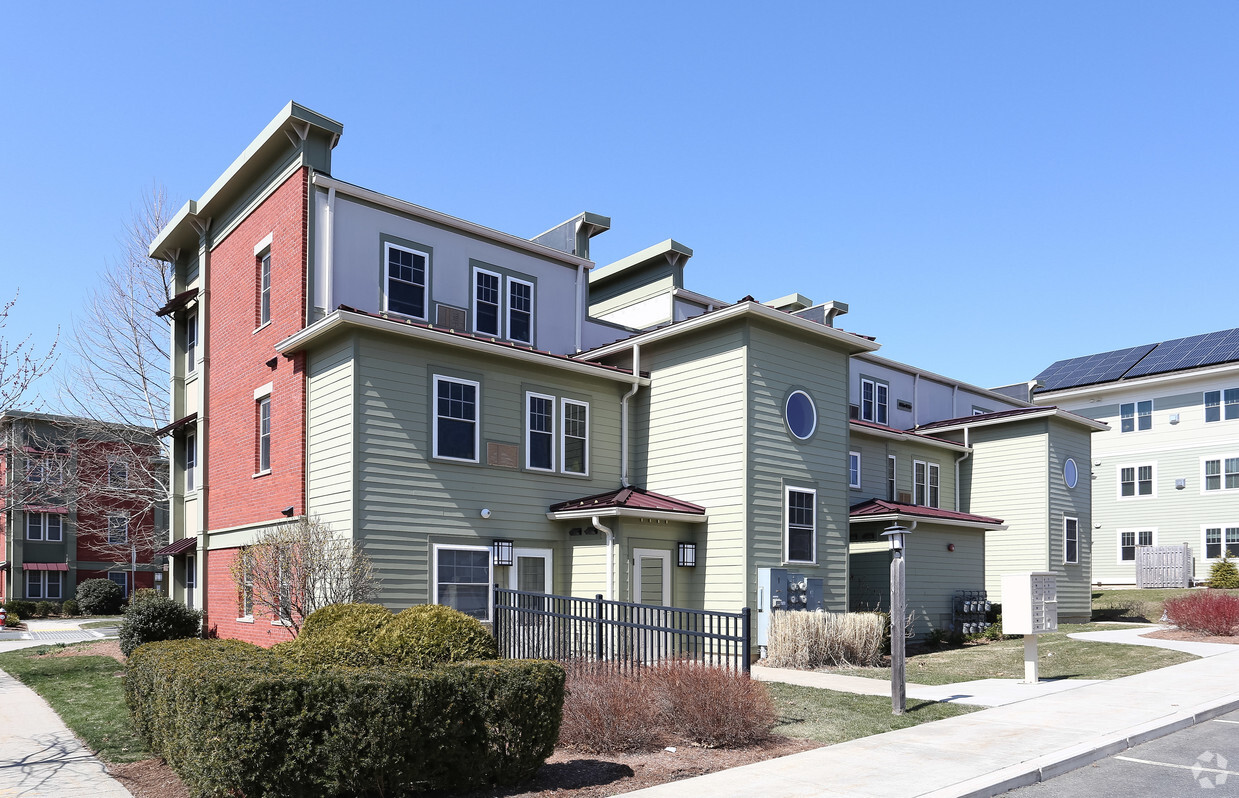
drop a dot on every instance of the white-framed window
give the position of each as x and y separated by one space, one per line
520 310
191 343
118 473
44 526
1214 410
408 274
34 469
462 579
892 466
873 400
1137 480
264 434
245 597
1219 474
574 440
1071 540
981 411
1136 416
934 493
1129 539
122 580
920 482
44 584
264 288
539 431
1221 538
456 419
118 529
800 532
191 462
853 469
487 302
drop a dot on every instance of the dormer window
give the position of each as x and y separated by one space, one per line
503 303
407 273
486 302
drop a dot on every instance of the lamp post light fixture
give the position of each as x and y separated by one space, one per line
686 554
899 611
502 550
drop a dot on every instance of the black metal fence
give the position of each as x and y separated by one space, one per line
541 626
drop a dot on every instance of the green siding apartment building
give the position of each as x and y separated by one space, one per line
437 391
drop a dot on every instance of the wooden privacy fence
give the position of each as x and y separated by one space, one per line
543 626
1164 566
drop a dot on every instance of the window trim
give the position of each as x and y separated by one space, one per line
44 527
563 436
1133 530
1118 474
261 403
264 288
113 462
1067 520
490 567
191 343
787 422
529 431
500 304
1221 475
854 473
1204 543
123 582
1141 417
507 308
477 420
388 246
933 477
43 579
892 476
1223 407
884 404
787 525
115 516
190 462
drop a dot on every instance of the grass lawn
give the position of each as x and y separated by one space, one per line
1135 605
832 717
87 694
112 622
1060 657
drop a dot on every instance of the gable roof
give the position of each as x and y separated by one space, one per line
1019 414
879 510
630 501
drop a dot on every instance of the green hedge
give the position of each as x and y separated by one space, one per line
232 718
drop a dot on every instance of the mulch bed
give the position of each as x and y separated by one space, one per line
104 648
1192 637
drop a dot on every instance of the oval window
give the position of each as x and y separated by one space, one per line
800 414
1071 474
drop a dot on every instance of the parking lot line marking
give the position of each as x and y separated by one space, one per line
1219 720
1197 768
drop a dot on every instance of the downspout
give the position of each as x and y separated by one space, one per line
597 524
329 239
580 278
636 383
916 399
958 460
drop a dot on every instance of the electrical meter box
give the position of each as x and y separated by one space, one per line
1029 603
779 590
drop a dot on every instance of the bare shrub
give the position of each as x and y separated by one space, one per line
819 639
1211 612
606 710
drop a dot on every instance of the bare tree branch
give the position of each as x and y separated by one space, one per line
20 366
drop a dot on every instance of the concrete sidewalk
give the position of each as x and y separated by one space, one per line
39 756
993 750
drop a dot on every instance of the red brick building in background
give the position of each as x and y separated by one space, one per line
77 502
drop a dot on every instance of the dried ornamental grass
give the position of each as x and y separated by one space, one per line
809 640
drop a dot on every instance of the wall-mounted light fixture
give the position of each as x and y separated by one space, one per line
686 554
502 550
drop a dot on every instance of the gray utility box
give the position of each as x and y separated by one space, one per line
781 590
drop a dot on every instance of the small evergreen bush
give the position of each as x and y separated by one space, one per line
42 609
339 634
70 609
1209 612
154 618
26 609
1224 575
100 597
431 634
12 619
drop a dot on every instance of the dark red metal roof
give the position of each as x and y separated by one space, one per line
484 338
177 302
1019 411
879 507
176 425
45 566
858 422
632 499
178 547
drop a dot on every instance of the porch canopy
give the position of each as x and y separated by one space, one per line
178 547
628 502
45 566
880 511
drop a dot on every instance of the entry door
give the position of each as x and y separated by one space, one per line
191 579
651 577
531 572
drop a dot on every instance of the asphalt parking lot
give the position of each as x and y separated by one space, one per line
1200 760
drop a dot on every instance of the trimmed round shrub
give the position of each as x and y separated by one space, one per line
354 619
431 634
339 634
143 593
43 609
20 607
70 608
100 597
157 618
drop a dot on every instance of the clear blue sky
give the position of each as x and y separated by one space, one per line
990 186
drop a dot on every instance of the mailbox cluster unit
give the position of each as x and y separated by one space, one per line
1029 603
970 608
779 590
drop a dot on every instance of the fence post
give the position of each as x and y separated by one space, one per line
496 626
598 633
745 649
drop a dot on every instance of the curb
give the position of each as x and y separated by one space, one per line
1046 767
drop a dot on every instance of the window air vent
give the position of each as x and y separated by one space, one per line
904 497
853 411
451 318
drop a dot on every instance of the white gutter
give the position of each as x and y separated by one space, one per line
1046 412
636 383
610 556
959 460
898 518
580 276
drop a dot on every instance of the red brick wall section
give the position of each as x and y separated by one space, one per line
239 354
144 579
224 607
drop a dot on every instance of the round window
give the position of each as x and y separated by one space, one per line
801 415
1071 474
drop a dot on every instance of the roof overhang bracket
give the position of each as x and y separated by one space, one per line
302 130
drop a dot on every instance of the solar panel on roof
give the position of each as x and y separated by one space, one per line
1184 353
1091 369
